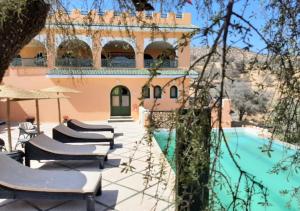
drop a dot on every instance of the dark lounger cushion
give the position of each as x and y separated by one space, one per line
81 126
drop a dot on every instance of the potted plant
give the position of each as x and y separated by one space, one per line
30 119
65 118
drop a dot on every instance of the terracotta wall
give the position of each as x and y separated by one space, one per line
182 54
165 103
93 103
138 36
226 116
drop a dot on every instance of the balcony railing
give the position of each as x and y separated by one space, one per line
157 63
29 62
74 62
118 62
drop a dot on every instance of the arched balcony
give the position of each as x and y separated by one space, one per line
74 53
33 54
118 54
160 54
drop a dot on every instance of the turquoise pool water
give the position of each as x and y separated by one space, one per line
247 146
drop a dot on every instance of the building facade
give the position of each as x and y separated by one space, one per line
107 57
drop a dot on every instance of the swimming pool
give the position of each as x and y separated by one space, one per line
247 145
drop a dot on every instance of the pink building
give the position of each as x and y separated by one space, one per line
107 60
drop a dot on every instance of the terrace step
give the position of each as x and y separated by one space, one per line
120 119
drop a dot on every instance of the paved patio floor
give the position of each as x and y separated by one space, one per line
121 191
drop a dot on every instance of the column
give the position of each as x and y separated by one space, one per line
97 48
139 52
184 56
51 51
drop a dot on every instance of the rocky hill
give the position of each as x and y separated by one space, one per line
242 78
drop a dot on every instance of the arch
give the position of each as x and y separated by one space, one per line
32 49
163 55
33 54
157 92
74 53
173 92
171 41
59 39
118 53
146 92
120 101
106 40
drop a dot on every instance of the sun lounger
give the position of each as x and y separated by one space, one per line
20 182
80 126
65 134
43 147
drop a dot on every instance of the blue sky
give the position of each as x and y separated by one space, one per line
254 12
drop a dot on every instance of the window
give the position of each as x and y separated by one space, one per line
173 92
146 92
117 13
157 92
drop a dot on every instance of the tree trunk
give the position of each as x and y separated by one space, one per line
241 115
18 26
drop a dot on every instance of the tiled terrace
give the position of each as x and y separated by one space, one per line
121 191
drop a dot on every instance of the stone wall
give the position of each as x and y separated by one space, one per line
165 119
162 119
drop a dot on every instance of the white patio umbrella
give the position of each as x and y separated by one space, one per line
41 95
10 93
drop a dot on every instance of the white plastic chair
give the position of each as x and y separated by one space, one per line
26 131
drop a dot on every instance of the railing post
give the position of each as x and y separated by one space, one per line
192 160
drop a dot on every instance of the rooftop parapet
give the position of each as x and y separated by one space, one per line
118 18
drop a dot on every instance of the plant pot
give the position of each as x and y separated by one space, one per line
65 118
30 119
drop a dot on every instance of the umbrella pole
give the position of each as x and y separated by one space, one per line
37 115
59 113
8 124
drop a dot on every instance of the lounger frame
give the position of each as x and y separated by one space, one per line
8 193
76 127
64 138
34 153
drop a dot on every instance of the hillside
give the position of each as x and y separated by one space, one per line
246 86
